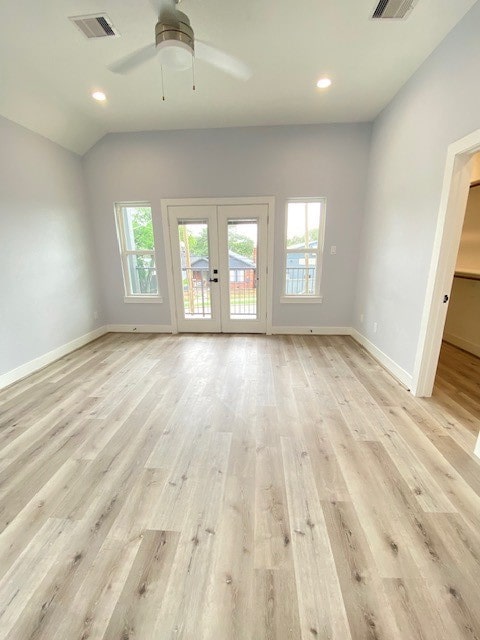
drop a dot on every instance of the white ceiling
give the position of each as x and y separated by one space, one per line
48 68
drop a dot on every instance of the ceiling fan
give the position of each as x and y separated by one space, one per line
176 46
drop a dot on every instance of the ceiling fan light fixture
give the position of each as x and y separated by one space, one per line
324 83
174 54
175 42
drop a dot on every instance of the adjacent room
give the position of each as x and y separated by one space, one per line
240 331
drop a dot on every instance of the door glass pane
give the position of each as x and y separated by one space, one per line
242 264
301 274
195 257
143 274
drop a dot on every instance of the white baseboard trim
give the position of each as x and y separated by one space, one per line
139 328
392 367
314 331
26 369
466 345
38 363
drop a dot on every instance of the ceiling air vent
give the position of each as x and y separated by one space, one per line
393 9
96 26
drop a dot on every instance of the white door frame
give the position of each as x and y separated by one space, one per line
456 183
267 200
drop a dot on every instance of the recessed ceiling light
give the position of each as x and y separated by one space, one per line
99 95
323 83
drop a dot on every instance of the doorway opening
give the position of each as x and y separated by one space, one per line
456 186
462 326
457 381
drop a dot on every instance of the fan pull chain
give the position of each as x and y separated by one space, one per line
193 72
163 87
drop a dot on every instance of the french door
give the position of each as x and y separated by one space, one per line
219 265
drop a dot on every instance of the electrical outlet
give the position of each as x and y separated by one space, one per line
375 327
361 318
95 315
333 249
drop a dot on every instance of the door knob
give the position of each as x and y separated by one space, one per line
213 279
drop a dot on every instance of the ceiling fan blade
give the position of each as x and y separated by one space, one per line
133 60
224 61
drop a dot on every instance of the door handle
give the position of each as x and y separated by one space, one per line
213 279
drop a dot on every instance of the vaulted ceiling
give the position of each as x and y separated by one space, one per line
49 69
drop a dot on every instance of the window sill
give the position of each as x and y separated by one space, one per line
302 299
143 299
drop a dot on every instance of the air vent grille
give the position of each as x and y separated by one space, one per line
96 26
393 9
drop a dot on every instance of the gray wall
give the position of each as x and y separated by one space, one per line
47 285
439 104
328 160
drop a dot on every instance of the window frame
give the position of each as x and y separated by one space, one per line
129 295
316 297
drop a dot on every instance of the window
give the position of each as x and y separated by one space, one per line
137 249
304 231
237 275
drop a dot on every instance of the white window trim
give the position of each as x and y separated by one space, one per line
130 297
317 297
288 299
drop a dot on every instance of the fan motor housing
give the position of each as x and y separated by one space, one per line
181 32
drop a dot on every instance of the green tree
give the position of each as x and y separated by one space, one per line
312 235
198 245
144 241
143 229
241 244
237 242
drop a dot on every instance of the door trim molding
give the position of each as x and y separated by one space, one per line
168 265
456 182
265 200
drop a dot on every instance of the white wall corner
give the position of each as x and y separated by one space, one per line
30 367
390 365
139 328
315 331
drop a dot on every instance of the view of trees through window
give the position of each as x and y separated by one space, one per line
193 238
141 222
138 248
237 242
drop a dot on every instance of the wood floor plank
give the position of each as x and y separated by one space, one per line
272 528
417 612
191 572
276 610
368 610
136 609
23 577
321 606
229 593
43 505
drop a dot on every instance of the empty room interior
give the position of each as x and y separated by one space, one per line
240 320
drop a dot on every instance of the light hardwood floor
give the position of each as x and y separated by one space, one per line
238 487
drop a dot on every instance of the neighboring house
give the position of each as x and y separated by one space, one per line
242 270
300 276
